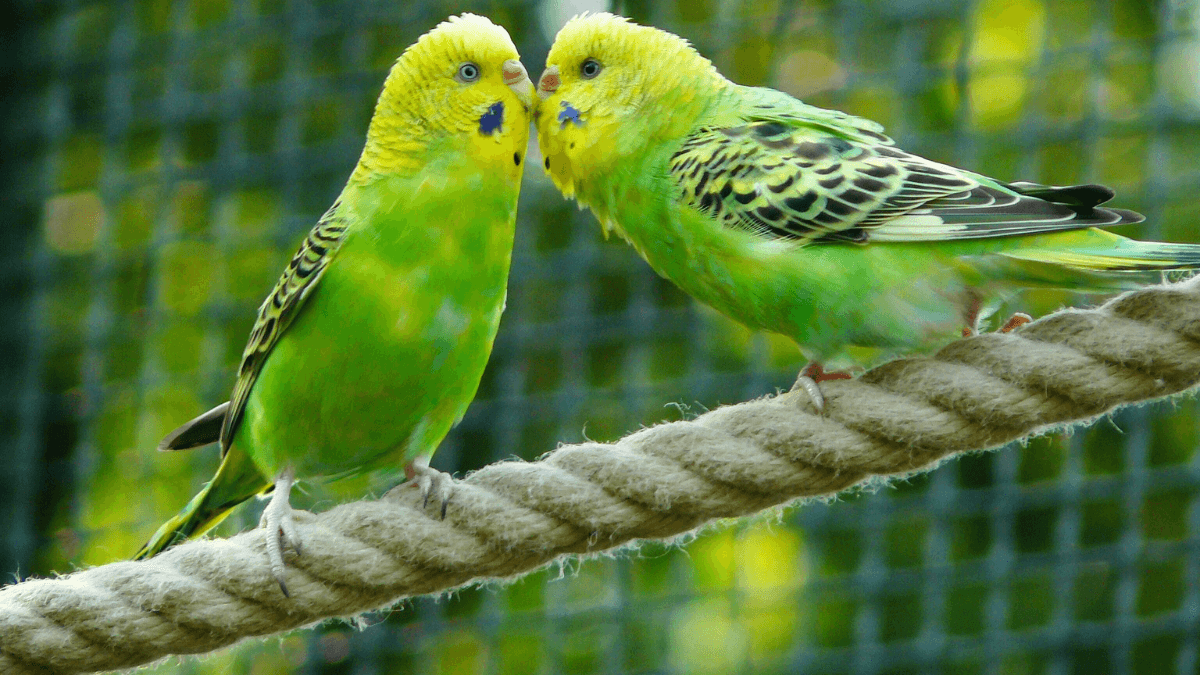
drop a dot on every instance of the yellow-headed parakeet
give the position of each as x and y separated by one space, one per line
374 340
804 221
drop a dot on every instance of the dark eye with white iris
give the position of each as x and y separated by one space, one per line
468 72
590 69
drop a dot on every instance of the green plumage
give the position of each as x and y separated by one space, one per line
805 221
373 341
387 352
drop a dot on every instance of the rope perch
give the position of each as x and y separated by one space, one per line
512 518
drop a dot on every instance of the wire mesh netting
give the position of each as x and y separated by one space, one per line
163 158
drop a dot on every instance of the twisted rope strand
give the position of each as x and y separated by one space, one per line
512 518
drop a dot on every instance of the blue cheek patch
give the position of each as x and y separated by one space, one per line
491 120
569 114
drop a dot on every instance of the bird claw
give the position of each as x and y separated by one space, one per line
432 483
279 527
815 396
1014 322
810 377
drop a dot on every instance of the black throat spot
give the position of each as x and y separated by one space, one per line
491 121
569 114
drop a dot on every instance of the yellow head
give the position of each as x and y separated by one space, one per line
612 88
459 88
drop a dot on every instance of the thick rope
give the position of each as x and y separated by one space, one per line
511 518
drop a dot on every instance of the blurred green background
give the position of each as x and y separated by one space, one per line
163 158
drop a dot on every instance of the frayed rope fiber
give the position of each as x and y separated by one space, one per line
511 518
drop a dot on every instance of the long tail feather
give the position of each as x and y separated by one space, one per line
201 431
1121 255
236 481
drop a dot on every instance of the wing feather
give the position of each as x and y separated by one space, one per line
841 180
280 308
800 183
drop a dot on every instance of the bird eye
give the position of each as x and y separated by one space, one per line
468 72
590 69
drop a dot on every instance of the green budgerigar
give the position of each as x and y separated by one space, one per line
374 340
804 221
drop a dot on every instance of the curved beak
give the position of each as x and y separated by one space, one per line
517 79
548 84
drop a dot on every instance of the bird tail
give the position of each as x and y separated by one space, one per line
201 431
236 481
1099 251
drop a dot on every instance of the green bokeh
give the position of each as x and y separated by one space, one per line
180 150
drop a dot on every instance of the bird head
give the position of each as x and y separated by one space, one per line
461 82
610 88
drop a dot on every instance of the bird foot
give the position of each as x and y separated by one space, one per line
812 375
279 526
1014 322
431 482
971 314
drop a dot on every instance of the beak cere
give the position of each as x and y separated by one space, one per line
549 82
517 79
514 72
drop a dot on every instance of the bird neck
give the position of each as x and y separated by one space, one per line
397 140
673 98
401 131
587 159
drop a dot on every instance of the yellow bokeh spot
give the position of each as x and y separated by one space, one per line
713 559
1007 31
72 222
805 72
765 567
269 663
769 563
1006 39
771 630
705 638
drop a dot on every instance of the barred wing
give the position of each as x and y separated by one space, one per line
281 307
800 181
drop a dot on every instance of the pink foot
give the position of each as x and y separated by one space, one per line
1016 321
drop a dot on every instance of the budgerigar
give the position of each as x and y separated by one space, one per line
804 221
374 340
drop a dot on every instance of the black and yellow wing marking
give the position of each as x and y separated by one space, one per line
280 309
815 184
